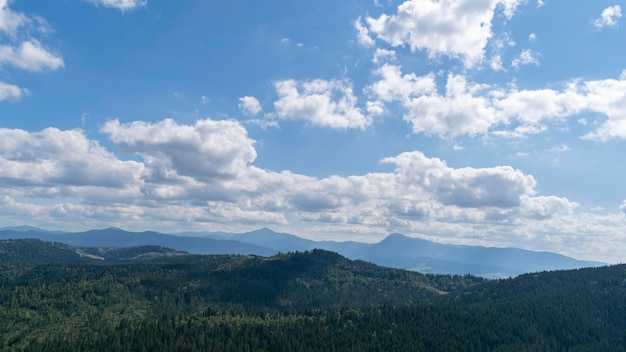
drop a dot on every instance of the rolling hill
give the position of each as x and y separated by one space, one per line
396 251
314 301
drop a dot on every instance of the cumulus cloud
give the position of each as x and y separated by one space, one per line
464 109
382 55
607 97
458 29
61 159
20 50
526 57
467 108
30 56
500 186
394 85
208 149
541 208
623 207
320 102
10 21
11 91
249 105
363 35
609 17
123 5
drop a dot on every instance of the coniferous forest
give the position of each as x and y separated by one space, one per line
56 298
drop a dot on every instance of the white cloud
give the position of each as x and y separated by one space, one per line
496 63
320 102
609 17
532 37
467 108
498 45
462 110
10 21
11 91
30 56
123 5
57 159
375 108
607 97
541 208
458 29
466 187
19 49
394 85
560 148
526 57
250 105
209 149
363 35
264 123
623 207
383 55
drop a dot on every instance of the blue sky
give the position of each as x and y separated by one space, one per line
489 122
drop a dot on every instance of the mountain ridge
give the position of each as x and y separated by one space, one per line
396 250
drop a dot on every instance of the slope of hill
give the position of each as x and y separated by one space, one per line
314 301
33 251
69 300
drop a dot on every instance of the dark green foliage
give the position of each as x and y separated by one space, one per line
313 301
33 251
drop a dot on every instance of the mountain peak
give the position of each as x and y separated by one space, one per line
396 237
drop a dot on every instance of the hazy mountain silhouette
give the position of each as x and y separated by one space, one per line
397 250
400 251
114 237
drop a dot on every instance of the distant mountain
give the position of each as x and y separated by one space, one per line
400 251
413 253
25 228
114 237
396 251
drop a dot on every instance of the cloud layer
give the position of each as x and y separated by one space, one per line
204 172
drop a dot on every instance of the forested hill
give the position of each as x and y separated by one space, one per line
313 301
34 251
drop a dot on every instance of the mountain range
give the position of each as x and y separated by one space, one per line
396 250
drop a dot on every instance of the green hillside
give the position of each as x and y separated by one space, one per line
312 301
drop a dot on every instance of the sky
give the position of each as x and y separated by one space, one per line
481 122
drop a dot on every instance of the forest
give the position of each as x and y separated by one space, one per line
56 298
